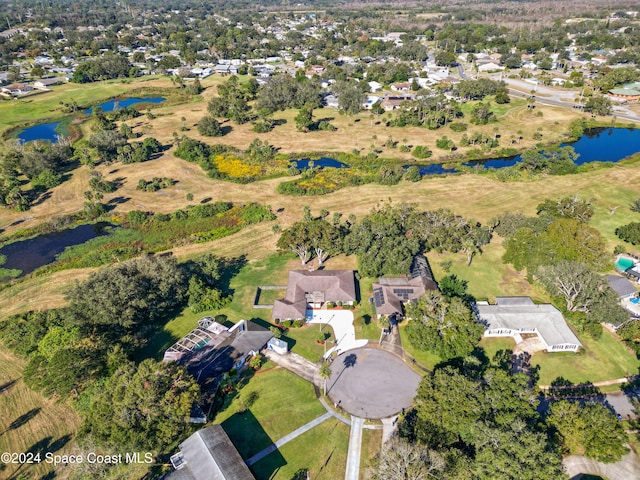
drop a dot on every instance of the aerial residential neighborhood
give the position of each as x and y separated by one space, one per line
320 240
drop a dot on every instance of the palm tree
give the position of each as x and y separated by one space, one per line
470 247
325 374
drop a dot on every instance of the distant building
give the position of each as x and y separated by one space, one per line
209 454
517 316
629 93
16 89
391 293
45 83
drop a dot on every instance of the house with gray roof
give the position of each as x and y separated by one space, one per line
391 293
622 286
308 290
515 316
209 454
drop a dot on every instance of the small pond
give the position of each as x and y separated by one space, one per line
50 131
321 162
44 131
27 255
124 102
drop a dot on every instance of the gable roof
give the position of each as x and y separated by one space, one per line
520 313
322 285
622 286
209 454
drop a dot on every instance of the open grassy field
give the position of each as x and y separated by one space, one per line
479 197
29 422
603 359
48 105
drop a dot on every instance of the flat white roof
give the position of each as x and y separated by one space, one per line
546 319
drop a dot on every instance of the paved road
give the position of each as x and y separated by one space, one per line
287 438
355 446
560 98
372 383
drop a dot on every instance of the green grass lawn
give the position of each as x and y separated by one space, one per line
427 359
322 450
603 359
274 270
267 297
302 341
371 444
492 345
487 276
47 105
285 402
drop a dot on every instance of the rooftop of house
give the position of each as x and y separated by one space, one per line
622 286
520 313
209 454
389 293
319 286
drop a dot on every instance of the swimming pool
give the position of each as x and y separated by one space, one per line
634 300
624 263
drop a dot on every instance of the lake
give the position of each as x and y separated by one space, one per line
27 255
49 131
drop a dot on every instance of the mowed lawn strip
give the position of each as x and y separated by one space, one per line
29 422
371 445
284 403
322 450
603 359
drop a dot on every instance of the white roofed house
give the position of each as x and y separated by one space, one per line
516 317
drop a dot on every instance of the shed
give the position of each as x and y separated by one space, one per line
277 345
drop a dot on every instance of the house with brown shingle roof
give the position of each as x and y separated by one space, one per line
308 290
391 293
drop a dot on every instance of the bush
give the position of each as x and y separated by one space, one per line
209 127
298 323
458 126
421 152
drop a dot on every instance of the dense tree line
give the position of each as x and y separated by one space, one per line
564 254
103 68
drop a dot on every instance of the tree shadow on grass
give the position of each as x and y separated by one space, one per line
23 419
249 438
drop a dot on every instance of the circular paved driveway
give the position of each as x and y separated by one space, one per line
371 383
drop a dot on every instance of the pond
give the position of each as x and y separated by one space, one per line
320 162
124 102
50 131
595 145
27 255
44 131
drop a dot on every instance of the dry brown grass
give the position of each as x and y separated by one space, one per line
40 293
45 422
475 196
